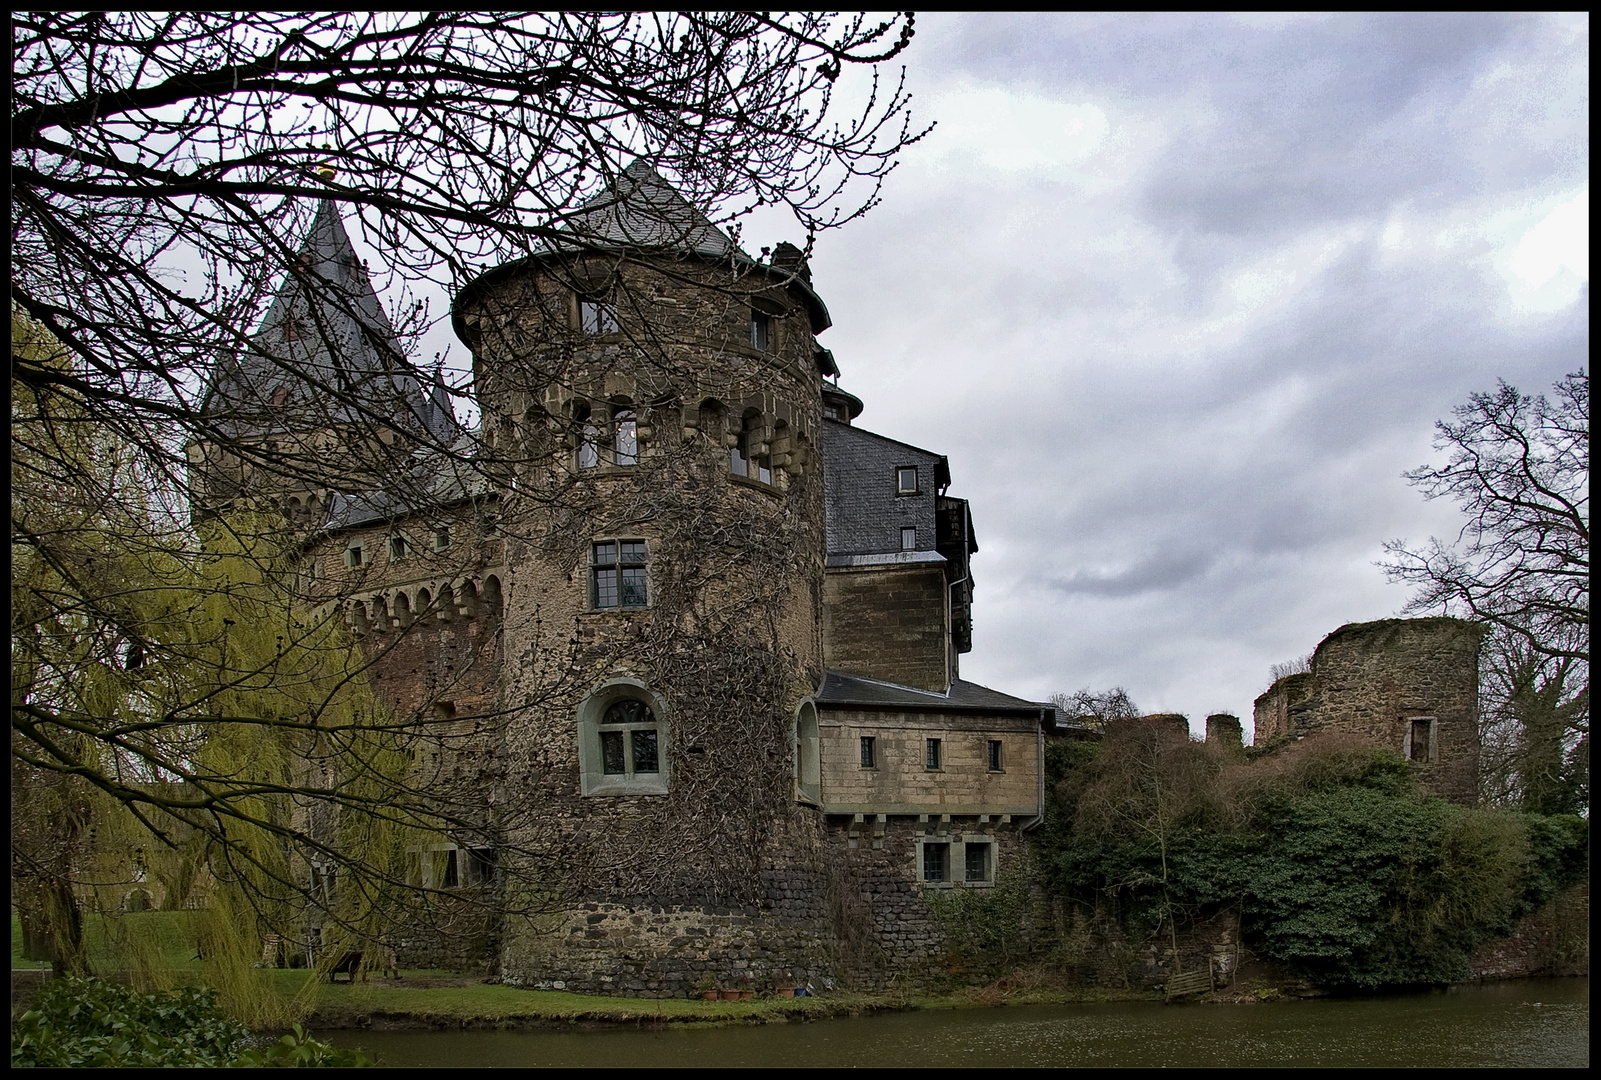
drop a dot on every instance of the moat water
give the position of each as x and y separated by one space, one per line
1527 1023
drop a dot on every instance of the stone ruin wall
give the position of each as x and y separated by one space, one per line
1373 679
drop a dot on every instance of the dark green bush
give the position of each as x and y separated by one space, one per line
88 1022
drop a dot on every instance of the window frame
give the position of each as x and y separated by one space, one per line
604 309
396 547
933 754
995 755
589 720
954 851
901 472
442 538
619 566
761 330
353 556
909 533
868 746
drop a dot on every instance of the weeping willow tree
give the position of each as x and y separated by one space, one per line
185 733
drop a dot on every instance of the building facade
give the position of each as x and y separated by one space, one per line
679 638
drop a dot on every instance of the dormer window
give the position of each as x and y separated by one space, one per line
597 316
761 330
906 480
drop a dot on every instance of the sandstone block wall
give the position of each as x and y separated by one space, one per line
900 781
889 623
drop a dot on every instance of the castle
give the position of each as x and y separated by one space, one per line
676 640
680 638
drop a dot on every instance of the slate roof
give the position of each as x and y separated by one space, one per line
641 213
864 514
437 478
841 689
325 353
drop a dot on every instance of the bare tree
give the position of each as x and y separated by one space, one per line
166 168
1095 710
1519 468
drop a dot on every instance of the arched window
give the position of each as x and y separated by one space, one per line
625 438
808 756
588 451
622 740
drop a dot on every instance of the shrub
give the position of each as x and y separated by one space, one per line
92 1023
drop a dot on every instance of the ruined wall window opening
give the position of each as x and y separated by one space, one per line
931 753
623 741
1421 741
618 574
353 556
808 755
995 761
597 315
908 537
906 480
625 437
869 752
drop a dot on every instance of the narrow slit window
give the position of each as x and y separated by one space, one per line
869 756
931 753
995 755
625 438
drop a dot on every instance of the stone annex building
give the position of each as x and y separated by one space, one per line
677 639
683 638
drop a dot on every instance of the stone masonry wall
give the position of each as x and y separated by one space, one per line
889 623
900 781
1374 679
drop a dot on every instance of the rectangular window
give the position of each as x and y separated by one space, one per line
761 331
481 866
978 862
868 761
936 862
906 480
597 316
452 871
995 755
441 539
397 547
619 574
353 555
908 537
931 754
1420 739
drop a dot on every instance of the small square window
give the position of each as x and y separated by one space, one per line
597 316
441 539
869 759
995 755
761 330
909 538
353 555
906 480
397 547
931 751
936 862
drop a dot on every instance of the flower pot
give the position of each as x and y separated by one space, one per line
786 991
729 995
708 995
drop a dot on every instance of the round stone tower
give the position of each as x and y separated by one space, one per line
651 400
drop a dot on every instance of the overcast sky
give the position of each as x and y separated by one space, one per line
1182 296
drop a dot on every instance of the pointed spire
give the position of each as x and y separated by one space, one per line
325 352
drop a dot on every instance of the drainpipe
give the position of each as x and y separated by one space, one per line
1039 738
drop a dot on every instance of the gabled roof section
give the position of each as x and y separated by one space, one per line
325 353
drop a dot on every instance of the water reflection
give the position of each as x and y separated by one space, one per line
1527 1023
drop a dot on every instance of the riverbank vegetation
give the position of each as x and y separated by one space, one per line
1342 869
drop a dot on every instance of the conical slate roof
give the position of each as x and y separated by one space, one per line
642 210
325 353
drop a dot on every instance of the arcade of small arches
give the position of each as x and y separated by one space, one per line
444 600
